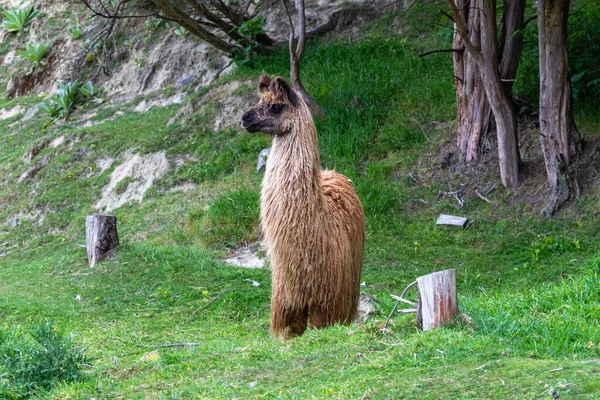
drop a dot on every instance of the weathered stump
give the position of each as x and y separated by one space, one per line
101 236
437 304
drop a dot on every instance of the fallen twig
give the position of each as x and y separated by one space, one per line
208 304
168 345
482 197
397 303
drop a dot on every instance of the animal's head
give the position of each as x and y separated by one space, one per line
275 110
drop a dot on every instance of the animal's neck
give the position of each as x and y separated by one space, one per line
293 168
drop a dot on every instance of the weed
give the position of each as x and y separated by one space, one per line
36 360
70 96
35 53
18 19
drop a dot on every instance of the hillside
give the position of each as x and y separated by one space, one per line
172 163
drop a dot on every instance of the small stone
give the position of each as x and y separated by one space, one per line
262 158
32 112
187 80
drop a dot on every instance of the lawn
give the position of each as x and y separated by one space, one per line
528 287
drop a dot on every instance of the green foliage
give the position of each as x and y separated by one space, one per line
16 20
584 50
34 361
75 32
245 50
229 220
153 23
550 319
545 245
35 53
70 96
181 32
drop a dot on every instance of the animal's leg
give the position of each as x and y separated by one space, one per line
287 322
319 318
297 322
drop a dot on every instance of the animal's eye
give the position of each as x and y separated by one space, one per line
277 108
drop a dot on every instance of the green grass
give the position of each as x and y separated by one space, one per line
529 286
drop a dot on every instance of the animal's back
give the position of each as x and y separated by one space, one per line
347 234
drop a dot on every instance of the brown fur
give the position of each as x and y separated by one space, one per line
312 220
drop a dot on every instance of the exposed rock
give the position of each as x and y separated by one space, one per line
366 307
10 57
245 257
32 111
33 170
5 114
57 142
163 64
187 80
143 170
262 159
160 102
186 187
223 105
32 152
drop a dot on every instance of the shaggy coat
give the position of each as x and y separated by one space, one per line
312 220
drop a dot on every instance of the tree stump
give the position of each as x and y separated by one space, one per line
101 236
437 304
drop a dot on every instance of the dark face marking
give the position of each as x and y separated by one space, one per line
272 113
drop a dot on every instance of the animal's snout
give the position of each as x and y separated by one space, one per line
247 119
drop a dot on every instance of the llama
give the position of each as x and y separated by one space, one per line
312 220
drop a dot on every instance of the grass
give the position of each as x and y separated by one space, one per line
528 285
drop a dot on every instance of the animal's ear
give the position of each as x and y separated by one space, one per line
263 84
281 88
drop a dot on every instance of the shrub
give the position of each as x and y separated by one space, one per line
70 96
35 53
16 20
584 51
35 360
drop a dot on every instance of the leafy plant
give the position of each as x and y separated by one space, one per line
16 20
70 96
249 29
36 360
76 32
584 51
154 23
35 53
181 32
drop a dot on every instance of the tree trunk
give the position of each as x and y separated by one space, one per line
472 108
101 236
296 59
511 42
506 123
559 137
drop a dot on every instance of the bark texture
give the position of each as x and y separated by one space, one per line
438 304
559 137
100 236
487 61
472 107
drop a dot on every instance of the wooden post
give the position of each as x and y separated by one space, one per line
101 236
437 304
